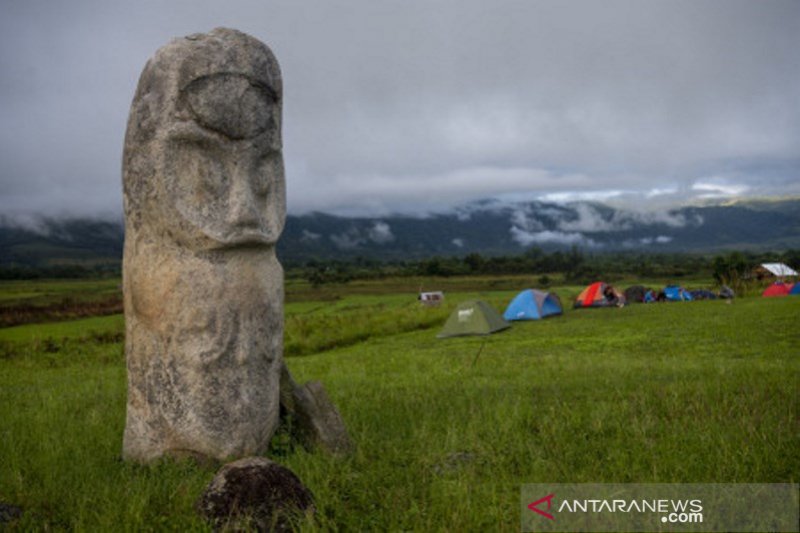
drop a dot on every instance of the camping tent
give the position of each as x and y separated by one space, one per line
599 294
675 293
777 289
473 317
531 304
703 294
795 289
635 294
776 270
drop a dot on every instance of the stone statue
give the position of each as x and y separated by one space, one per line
205 203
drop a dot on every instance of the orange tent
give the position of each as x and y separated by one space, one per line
599 294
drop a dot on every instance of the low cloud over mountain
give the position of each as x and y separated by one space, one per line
486 227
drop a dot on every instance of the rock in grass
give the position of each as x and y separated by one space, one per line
9 513
453 462
255 493
315 421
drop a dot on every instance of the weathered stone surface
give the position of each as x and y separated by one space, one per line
255 493
316 422
204 206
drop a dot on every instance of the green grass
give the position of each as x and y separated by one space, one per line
663 393
692 392
113 324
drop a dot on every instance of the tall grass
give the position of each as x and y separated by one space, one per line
352 321
702 392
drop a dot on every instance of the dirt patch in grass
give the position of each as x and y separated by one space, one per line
67 309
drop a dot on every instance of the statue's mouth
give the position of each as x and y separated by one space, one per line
243 238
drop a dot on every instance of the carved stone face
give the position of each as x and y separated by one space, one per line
224 169
210 124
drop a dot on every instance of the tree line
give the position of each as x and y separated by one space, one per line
575 265
65 271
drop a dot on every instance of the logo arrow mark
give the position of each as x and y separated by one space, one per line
534 506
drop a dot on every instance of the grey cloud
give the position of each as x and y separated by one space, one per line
588 220
583 218
27 221
575 223
523 220
381 233
526 230
419 106
526 238
348 240
310 236
623 220
660 239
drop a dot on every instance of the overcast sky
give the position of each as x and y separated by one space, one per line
413 106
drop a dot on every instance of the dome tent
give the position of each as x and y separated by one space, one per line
636 294
675 293
531 304
599 294
777 289
473 317
703 294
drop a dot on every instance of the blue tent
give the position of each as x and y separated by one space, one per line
702 294
677 294
531 304
795 289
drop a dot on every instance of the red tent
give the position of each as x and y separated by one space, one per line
777 289
599 294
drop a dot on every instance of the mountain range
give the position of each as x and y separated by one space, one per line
488 227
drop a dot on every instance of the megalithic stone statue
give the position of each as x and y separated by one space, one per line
205 204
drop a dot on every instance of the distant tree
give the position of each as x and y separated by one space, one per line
643 268
475 262
534 253
322 274
585 274
574 263
731 270
792 258
728 268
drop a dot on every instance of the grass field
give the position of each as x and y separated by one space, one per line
446 430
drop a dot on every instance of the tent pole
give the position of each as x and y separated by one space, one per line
477 354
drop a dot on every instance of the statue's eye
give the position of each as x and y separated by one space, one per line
232 105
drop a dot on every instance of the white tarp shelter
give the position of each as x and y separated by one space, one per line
432 298
779 270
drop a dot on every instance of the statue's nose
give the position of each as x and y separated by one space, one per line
242 205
